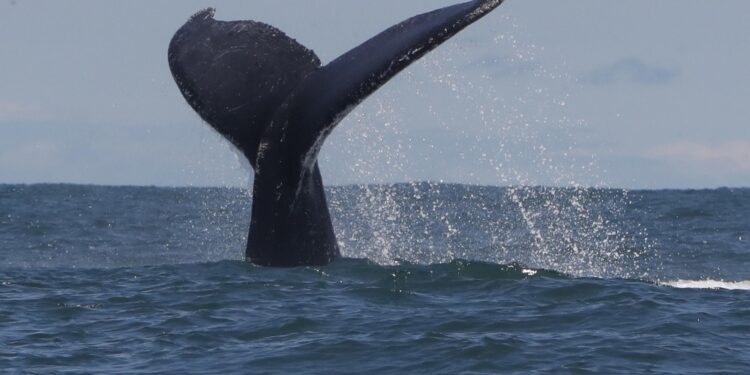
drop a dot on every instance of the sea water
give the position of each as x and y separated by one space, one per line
435 278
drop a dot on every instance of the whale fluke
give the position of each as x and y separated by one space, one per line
270 97
237 74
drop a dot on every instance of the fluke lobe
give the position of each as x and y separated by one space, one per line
272 99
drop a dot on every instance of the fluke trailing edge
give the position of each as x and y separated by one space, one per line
272 99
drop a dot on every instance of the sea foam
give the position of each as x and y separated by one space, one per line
708 284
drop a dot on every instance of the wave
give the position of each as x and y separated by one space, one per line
708 284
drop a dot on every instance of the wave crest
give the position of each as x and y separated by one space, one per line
708 284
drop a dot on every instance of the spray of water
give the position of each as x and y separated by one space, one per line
521 136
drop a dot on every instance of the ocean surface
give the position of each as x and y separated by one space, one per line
436 279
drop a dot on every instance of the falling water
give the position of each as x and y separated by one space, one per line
521 136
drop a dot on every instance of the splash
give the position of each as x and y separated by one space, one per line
505 120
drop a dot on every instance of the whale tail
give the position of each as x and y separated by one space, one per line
272 99
237 74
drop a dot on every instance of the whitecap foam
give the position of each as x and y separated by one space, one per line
708 284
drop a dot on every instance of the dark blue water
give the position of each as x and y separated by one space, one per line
437 279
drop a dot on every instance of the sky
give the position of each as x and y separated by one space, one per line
638 94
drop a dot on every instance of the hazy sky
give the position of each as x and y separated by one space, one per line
643 93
